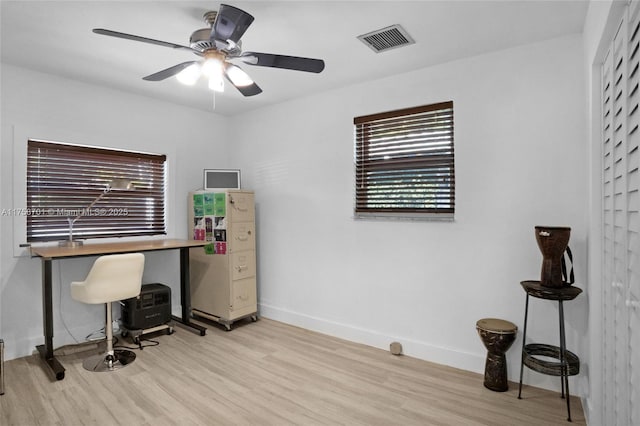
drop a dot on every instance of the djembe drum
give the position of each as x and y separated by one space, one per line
497 336
552 241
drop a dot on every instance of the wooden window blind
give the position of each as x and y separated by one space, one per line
404 163
63 180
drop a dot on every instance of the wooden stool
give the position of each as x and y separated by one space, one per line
497 335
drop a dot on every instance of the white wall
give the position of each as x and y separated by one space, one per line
520 162
36 105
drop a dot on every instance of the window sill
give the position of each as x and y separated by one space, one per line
405 217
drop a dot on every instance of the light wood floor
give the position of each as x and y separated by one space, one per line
268 373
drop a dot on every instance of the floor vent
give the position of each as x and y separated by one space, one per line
386 38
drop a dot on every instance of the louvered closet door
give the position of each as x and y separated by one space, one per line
633 215
615 112
607 202
621 133
620 112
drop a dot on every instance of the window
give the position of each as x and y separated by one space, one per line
63 180
405 164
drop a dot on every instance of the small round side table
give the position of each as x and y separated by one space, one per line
568 363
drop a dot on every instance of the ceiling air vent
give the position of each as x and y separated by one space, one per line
386 38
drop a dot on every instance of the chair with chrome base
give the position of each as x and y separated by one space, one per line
112 278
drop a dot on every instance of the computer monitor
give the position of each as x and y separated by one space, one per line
221 179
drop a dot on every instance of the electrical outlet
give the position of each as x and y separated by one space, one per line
115 326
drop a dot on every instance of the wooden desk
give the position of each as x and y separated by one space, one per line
51 253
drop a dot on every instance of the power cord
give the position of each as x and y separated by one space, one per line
92 335
140 345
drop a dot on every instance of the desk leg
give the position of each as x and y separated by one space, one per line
46 350
185 293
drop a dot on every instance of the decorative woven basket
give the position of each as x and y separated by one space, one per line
552 368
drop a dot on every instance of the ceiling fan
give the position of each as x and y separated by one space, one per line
217 46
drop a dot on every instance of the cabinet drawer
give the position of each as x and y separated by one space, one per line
243 264
243 294
242 236
240 206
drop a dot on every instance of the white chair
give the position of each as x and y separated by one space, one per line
111 278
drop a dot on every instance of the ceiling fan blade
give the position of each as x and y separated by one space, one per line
169 72
110 33
282 61
230 23
241 80
251 90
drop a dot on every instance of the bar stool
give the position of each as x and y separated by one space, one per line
112 278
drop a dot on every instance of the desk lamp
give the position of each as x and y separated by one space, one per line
115 184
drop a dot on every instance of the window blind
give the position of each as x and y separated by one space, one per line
404 162
63 180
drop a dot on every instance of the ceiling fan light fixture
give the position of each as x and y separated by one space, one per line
238 77
216 46
216 83
189 75
212 67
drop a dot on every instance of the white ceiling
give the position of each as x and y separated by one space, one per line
55 37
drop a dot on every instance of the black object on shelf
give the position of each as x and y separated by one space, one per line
568 363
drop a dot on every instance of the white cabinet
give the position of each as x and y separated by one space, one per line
223 273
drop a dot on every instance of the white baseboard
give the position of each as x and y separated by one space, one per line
473 362
412 348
